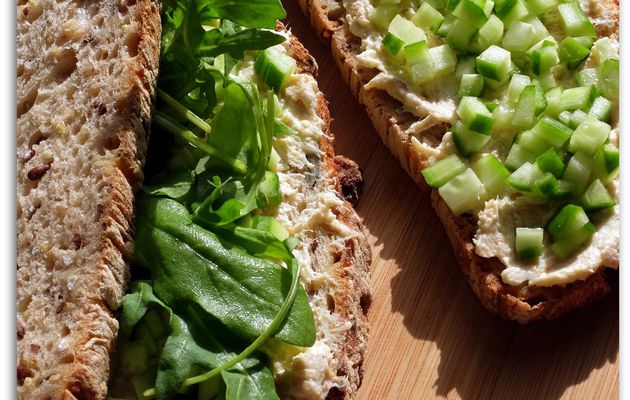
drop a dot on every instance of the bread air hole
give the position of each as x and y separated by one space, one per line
65 63
27 102
131 44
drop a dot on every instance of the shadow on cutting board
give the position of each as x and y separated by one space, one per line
479 356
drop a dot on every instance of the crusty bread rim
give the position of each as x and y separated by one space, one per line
520 303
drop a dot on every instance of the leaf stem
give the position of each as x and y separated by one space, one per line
294 267
180 108
170 124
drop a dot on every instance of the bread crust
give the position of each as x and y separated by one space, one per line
520 303
120 174
351 266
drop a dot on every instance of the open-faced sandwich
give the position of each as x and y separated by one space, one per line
508 110
248 275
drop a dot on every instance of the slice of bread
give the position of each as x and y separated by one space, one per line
85 80
521 303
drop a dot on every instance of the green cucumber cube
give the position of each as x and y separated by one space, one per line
551 162
579 171
541 6
463 193
517 84
587 77
605 50
533 141
596 197
547 186
564 192
566 221
606 163
446 25
428 17
578 98
490 33
554 97
406 30
572 52
419 62
274 68
544 59
461 34
528 242
577 117
467 141
470 85
466 65
444 60
589 136
601 109
524 177
565 117
392 44
475 115
495 63
443 171
491 106
511 10
567 246
382 15
540 31
574 20
518 37
518 156
472 11
492 174
554 132
525 110
503 117
608 78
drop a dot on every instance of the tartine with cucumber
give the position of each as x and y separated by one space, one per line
507 110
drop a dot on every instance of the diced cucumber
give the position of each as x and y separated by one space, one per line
544 58
492 174
463 193
470 85
578 98
596 197
461 34
525 110
382 15
551 162
451 4
608 78
274 67
564 192
601 109
548 81
518 37
518 156
574 20
134 358
443 171
491 106
541 6
554 98
428 17
465 66
547 186
446 25
528 242
419 62
587 76
606 163
406 30
566 221
475 115
565 117
532 141
495 63
578 172
467 141
577 117
517 84
392 44
540 31
471 11
555 133
510 10
572 52
589 136
444 60
490 33
503 117
523 178
568 245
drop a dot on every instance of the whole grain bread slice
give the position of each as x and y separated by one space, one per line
521 303
86 72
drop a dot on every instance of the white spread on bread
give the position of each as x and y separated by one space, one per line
436 102
309 214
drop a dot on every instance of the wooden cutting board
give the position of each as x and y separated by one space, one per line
429 336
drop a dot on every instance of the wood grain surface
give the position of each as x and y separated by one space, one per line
429 336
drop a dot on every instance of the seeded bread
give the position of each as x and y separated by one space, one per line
86 72
520 303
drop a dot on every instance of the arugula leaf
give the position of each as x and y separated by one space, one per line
235 44
190 266
251 13
136 303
